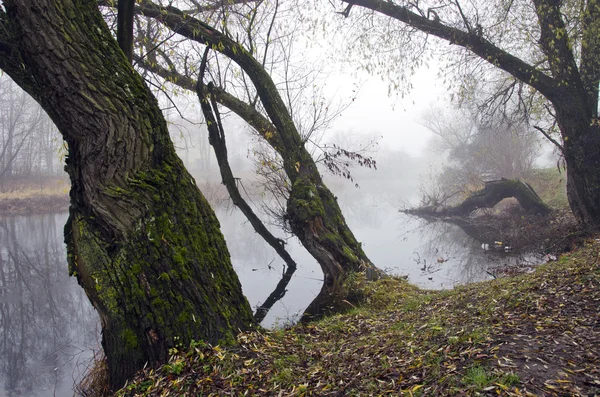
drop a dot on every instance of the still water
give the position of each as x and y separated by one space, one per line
49 331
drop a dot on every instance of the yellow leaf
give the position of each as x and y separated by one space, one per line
415 388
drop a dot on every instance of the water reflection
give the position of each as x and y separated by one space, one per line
446 256
433 255
48 328
47 325
262 272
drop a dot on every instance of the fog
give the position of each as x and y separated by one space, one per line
48 327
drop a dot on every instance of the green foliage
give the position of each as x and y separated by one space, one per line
175 367
478 377
481 378
377 295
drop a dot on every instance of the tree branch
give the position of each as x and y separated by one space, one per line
471 41
248 113
216 134
274 105
125 27
554 141
555 43
198 7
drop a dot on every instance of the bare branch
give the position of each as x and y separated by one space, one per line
247 112
464 18
216 134
471 41
558 145
198 7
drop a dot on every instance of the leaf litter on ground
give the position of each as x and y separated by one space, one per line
530 335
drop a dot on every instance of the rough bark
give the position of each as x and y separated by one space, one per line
583 176
572 87
141 239
313 213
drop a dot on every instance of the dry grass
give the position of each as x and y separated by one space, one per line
33 195
95 380
58 191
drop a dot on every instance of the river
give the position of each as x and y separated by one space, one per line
49 331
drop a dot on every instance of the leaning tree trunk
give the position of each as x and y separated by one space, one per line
488 197
312 211
141 239
496 191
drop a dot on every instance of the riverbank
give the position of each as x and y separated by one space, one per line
34 196
534 334
37 203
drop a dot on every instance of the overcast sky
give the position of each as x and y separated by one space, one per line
374 112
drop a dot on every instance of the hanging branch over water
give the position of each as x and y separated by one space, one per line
276 295
216 137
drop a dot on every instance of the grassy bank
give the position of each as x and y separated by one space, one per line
551 185
534 334
34 195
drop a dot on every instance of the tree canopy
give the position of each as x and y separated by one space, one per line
548 52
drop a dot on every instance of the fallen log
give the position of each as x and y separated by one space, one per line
489 196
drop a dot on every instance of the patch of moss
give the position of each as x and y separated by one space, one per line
130 339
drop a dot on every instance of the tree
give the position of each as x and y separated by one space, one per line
492 193
141 239
554 60
312 210
478 150
216 137
24 129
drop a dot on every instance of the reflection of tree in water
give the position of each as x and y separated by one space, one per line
45 319
275 296
248 249
447 247
453 247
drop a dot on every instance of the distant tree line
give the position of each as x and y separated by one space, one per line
30 144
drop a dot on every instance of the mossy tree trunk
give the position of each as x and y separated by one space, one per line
312 210
488 197
141 239
496 191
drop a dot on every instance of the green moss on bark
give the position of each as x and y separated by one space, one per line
170 278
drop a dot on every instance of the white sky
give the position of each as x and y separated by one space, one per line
374 112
